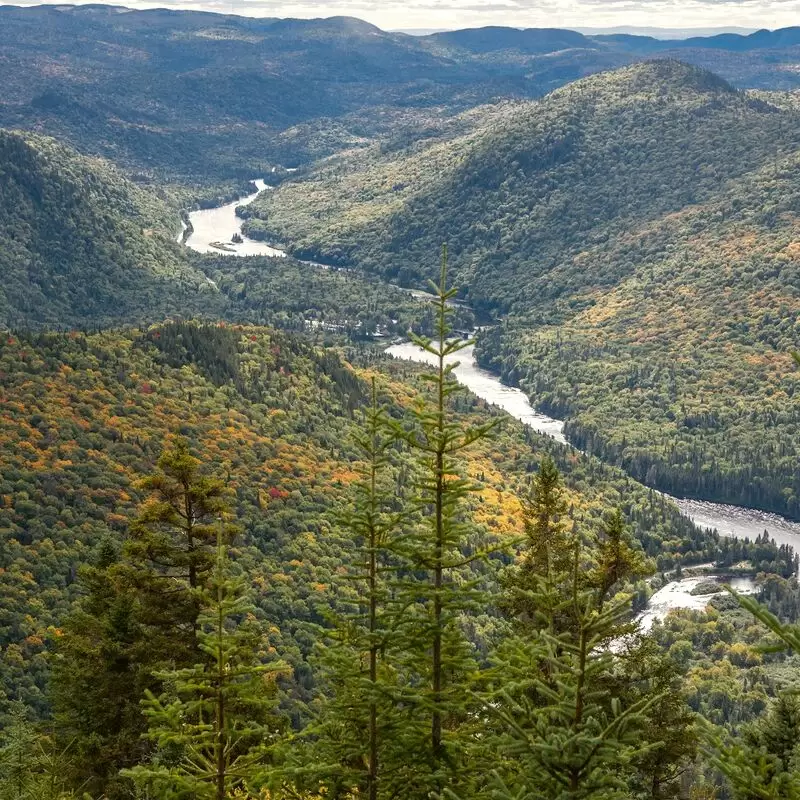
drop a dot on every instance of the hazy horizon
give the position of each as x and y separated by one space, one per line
658 33
657 17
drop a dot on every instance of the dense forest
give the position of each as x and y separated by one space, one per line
79 244
200 97
246 555
269 573
86 414
636 232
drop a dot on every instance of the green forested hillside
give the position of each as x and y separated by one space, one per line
321 214
189 95
79 244
245 555
530 184
638 231
215 95
271 432
82 246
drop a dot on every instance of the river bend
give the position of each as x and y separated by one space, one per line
213 230
730 521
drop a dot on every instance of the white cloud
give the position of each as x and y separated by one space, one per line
392 14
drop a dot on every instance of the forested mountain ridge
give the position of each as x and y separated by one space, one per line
194 95
268 432
272 562
538 179
658 183
780 38
495 39
79 244
690 351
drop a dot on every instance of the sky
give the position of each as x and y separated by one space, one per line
437 14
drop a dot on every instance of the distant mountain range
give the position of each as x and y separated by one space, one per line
195 95
656 33
664 33
550 40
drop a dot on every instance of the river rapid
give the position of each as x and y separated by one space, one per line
212 233
678 594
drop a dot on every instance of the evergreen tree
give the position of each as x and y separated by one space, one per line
438 659
356 676
765 762
557 727
139 615
30 767
170 548
618 561
215 723
779 731
532 591
645 671
548 543
101 668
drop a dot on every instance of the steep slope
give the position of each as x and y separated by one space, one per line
681 372
322 212
85 416
527 183
79 244
638 227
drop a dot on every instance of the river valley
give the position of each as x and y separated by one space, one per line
216 226
730 521
727 520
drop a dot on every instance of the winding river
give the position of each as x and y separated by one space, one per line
214 228
730 521
212 233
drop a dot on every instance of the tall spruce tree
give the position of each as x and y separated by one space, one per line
531 591
618 560
171 544
557 728
214 723
139 615
669 726
548 542
356 722
102 665
437 659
